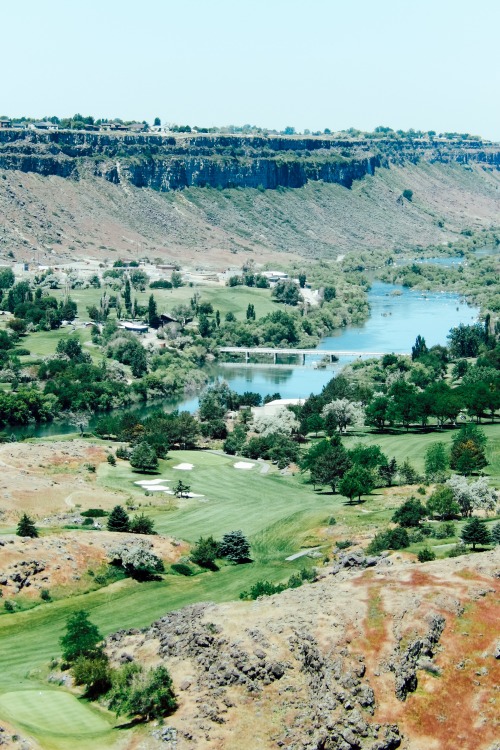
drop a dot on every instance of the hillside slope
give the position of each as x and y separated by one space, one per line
400 655
103 205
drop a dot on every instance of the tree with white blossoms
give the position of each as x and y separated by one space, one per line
137 560
341 413
470 496
283 422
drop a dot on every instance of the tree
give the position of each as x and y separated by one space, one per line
369 456
181 489
331 464
403 407
409 514
465 340
467 451
286 292
436 461
495 533
79 419
153 318
470 496
419 348
81 637
127 297
138 561
176 279
137 692
341 413
26 527
376 412
356 481
442 503
302 279
118 520
314 423
475 532
94 673
408 195
157 122
329 293
235 547
142 525
143 457
426 555
388 471
204 553
250 314
283 421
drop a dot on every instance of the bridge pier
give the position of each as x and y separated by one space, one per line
275 358
303 359
247 356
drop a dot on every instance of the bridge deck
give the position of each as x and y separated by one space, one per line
318 352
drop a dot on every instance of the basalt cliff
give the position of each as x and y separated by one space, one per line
73 193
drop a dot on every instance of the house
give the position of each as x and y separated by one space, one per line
5 124
137 127
274 276
43 125
166 319
18 125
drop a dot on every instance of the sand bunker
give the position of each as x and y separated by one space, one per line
243 465
184 467
156 488
150 482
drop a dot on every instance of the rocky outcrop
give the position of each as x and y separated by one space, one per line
166 163
408 659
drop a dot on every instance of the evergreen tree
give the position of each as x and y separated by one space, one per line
142 525
495 533
143 457
26 527
127 297
419 348
153 319
181 489
118 520
81 637
475 532
235 547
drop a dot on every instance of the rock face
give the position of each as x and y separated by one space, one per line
328 666
166 163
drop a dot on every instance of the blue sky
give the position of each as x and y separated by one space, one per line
272 63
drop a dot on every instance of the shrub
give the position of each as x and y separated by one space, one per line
344 543
408 194
204 553
45 595
9 606
410 513
94 513
390 539
182 569
145 693
111 459
123 453
444 530
93 672
426 555
142 525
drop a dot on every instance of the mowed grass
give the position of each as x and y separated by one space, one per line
57 716
412 446
223 298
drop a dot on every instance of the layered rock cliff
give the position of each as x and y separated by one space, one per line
167 163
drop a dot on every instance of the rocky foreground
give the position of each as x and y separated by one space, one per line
397 655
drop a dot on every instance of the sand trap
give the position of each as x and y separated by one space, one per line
156 488
150 482
184 467
243 465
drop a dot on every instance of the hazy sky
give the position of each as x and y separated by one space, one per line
329 63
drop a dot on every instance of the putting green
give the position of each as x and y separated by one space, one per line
53 714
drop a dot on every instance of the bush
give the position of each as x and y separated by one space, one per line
94 513
444 530
142 525
123 453
204 553
410 513
426 555
457 550
45 595
344 543
182 569
391 539
9 606
145 693
94 673
111 459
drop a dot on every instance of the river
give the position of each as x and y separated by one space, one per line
397 316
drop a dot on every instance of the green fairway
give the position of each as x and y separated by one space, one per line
56 717
412 445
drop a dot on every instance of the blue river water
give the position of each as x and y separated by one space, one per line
397 316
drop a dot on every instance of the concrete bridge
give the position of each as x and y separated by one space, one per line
303 353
